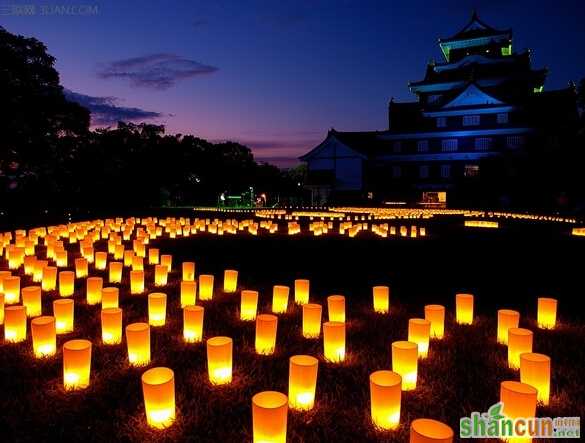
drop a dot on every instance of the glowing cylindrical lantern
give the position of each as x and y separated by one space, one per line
61 258
269 417
44 336
128 258
193 323
425 430
3 275
419 331
31 299
280 299
405 363
138 341
110 297
230 280
336 308
519 341
188 268
547 313
81 267
153 256
111 326
11 289
302 382
167 260
101 259
334 341
136 282
535 371
436 315
381 296
312 320
157 308
266 325
160 275
94 290
49 281
29 264
63 311
248 305
188 293
76 364
205 287
14 324
519 401
219 360
66 283
506 319
137 263
1 308
385 397
38 272
464 309
158 389
115 274
301 291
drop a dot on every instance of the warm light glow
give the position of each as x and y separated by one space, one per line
111 326
405 363
419 331
63 311
205 287
115 274
230 280
334 341
302 382
519 402
519 341
94 290
425 430
138 341
158 389
506 319
381 299
157 308
336 308
266 325
81 267
547 313
301 291
436 315
101 259
11 289
280 299
269 417
167 260
219 360
1 308
14 324
31 299
535 371
110 297
385 398
49 281
193 323
153 256
248 305
188 268
44 336
76 364
160 275
136 282
188 293
312 320
66 283
464 309
38 271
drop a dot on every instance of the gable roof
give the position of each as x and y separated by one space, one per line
363 143
475 28
472 95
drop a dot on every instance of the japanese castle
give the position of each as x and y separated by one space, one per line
483 102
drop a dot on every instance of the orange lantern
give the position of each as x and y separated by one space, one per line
138 341
230 280
193 323
506 319
61 258
94 290
419 331
11 289
519 341
29 264
269 417
248 305
160 275
14 324
136 282
535 371
76 364
153 256
115 268
519 401
44 336
280 299
158 389
81 267
547 313
157 308
405 363
111 326
381 299
167 260
188 268
425 430
205 287
302 382
1 308
436 315
336 308
3 274
385 398
128 258
31 299
312 320
464 309
63 311
219 360
49 281
110 297
301 291
66 283
38 272
101 260
266 325
334 341
188 293
119 252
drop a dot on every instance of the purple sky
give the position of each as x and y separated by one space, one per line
274 75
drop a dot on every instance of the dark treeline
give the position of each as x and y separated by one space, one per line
50 159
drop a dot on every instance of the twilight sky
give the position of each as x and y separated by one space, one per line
274 74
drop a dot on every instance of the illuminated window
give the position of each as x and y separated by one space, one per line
449 145
538 89
441 122
471 171
397 147
483 143
445 171
507 50
423 171
502 118
422 146
396 171
514 141
470 120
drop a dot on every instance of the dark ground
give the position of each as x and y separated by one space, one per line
506 268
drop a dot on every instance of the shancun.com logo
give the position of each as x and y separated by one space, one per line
495 424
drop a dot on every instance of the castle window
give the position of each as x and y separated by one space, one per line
396 171
445 171
471 171
441 122
449 145
470 120
502 118
397 147
514 141
422 146
423 171
483 143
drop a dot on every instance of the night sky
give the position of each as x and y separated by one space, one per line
274 75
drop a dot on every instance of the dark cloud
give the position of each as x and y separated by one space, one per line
156 71
105 111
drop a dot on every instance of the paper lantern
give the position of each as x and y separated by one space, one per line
205 287
29 264
138 341
519 402
119 252
136 282
302 382
66 283
312 320
230 280
219 360
280 299
506 319
188 293
301 291
266 325
158 389
128 258
76 364
336 308
385 398
44 336
188 268
14 324
269 416
381 299
160 275
334 341
1 308
49 282
248 305
94 290
101 259
11 289
31 299
3 274
63 311
535 371
405 363
110 297
81 267
153 256
193 323
61 258
436 315
464 309
157 308
547 313
115 274
519 341
419 331
425 430
111 326
167 260
38 272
